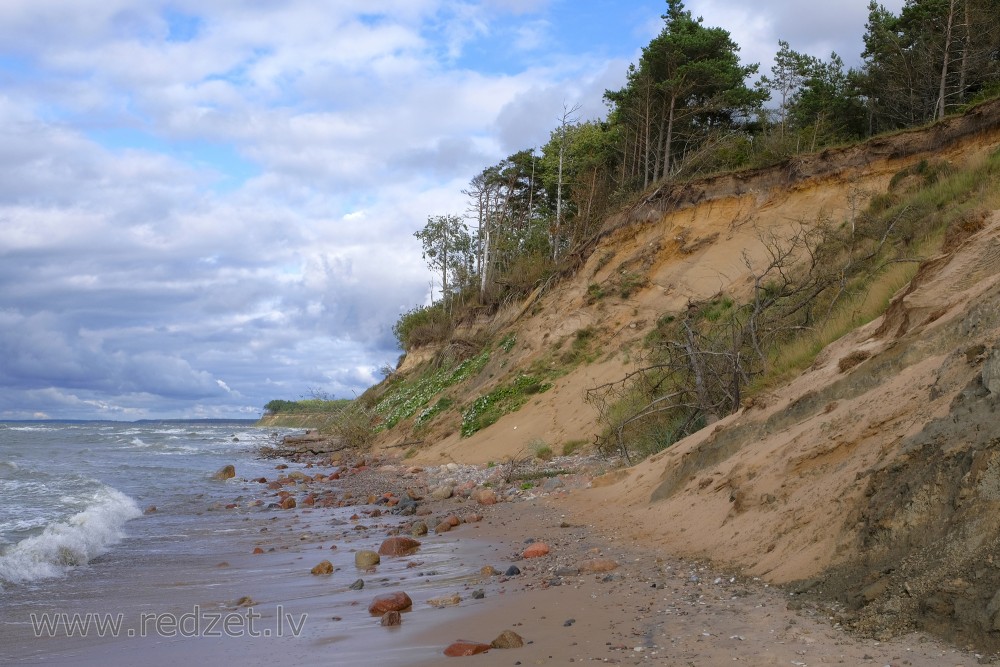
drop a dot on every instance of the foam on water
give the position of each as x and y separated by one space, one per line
70 543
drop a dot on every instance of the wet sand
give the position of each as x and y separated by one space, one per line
648 609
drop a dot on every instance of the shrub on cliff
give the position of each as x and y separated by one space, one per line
422 325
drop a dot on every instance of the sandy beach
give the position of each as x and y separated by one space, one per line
596 596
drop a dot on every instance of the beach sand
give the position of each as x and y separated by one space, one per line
648 609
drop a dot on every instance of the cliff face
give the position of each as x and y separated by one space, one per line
873 478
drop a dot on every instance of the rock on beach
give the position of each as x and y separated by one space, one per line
386 602
324 567
366 559
536 550
398 546
507 639
463 648
445 600
225 472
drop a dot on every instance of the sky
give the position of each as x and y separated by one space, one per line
209 204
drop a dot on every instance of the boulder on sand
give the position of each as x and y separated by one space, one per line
225 472
398 546
366 559
536 550
397 601
463 648
324 567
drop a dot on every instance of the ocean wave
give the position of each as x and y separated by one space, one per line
73 542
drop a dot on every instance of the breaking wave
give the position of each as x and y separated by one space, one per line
72 542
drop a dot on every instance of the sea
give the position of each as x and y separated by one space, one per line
71 492
117 547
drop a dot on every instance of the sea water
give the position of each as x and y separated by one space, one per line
72 492
122 523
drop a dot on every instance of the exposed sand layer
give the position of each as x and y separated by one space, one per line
870 483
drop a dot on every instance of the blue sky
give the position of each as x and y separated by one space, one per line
208 205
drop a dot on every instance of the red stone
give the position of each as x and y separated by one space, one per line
397 601
258 550
287 503
463 648
398 546
536 550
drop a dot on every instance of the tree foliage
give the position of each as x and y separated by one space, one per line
688 107
689 81
934 57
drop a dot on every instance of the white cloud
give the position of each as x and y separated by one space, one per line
196 191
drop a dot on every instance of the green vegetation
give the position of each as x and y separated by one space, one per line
404 398
630 283
687 109
507 342
427 414
571 447
350 421
815 285
541 450
422 325
583 349
487 409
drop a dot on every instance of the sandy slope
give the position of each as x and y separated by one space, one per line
876 484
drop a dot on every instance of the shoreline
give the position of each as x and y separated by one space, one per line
592 597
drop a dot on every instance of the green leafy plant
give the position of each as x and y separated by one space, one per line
630 283
572 446
541 450
422 325
594 292
487 409
403 399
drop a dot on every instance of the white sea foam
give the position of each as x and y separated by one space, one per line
72 542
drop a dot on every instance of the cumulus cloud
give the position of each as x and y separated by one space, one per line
209 205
